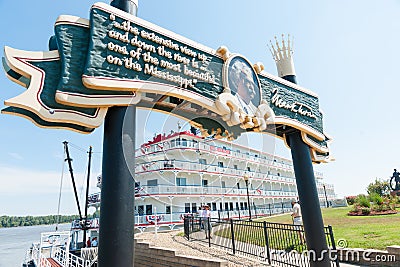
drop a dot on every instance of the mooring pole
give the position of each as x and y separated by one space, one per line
116 242
304 172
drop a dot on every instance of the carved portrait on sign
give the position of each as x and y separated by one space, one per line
241 101
243 84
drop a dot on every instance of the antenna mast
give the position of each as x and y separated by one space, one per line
69 160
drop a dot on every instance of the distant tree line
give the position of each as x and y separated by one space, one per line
14 221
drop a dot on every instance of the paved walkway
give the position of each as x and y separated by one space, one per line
199 248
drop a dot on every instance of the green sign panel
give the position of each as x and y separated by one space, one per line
115 59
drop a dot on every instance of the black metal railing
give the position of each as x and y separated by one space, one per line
272 243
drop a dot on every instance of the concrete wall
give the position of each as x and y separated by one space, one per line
146 256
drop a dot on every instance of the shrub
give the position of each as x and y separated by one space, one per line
379 208
363 201
380 187
350 200
365 211
376 198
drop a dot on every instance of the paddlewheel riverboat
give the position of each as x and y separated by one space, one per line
179 172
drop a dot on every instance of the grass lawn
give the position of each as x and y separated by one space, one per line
359 231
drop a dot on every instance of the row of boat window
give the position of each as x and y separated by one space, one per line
193 143
195 207
182 181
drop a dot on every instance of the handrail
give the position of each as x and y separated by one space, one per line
68 259
182 165
43 262
90 254
209 148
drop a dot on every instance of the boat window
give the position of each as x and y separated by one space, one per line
220 164
237 205
223 185
202 161
214 206
140 210
184 142
168 209
149 209
187 207
180 181
226 206
230 205
235 167
248 168
194 208
152 182
205 183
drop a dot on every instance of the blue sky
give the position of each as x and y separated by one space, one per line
345 51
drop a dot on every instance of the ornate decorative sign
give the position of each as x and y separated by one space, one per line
116 59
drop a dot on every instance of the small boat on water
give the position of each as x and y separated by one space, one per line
65 248
74 248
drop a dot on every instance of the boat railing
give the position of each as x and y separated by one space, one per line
161 218
204 147
43 262
187 166
65 258
196 189
32 253
90 254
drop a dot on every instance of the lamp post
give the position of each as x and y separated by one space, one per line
246 180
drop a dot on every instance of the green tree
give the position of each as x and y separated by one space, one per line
379 187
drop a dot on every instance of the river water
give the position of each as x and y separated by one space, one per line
14 242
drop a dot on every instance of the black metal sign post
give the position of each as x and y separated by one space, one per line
116 244
303 169
308 196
